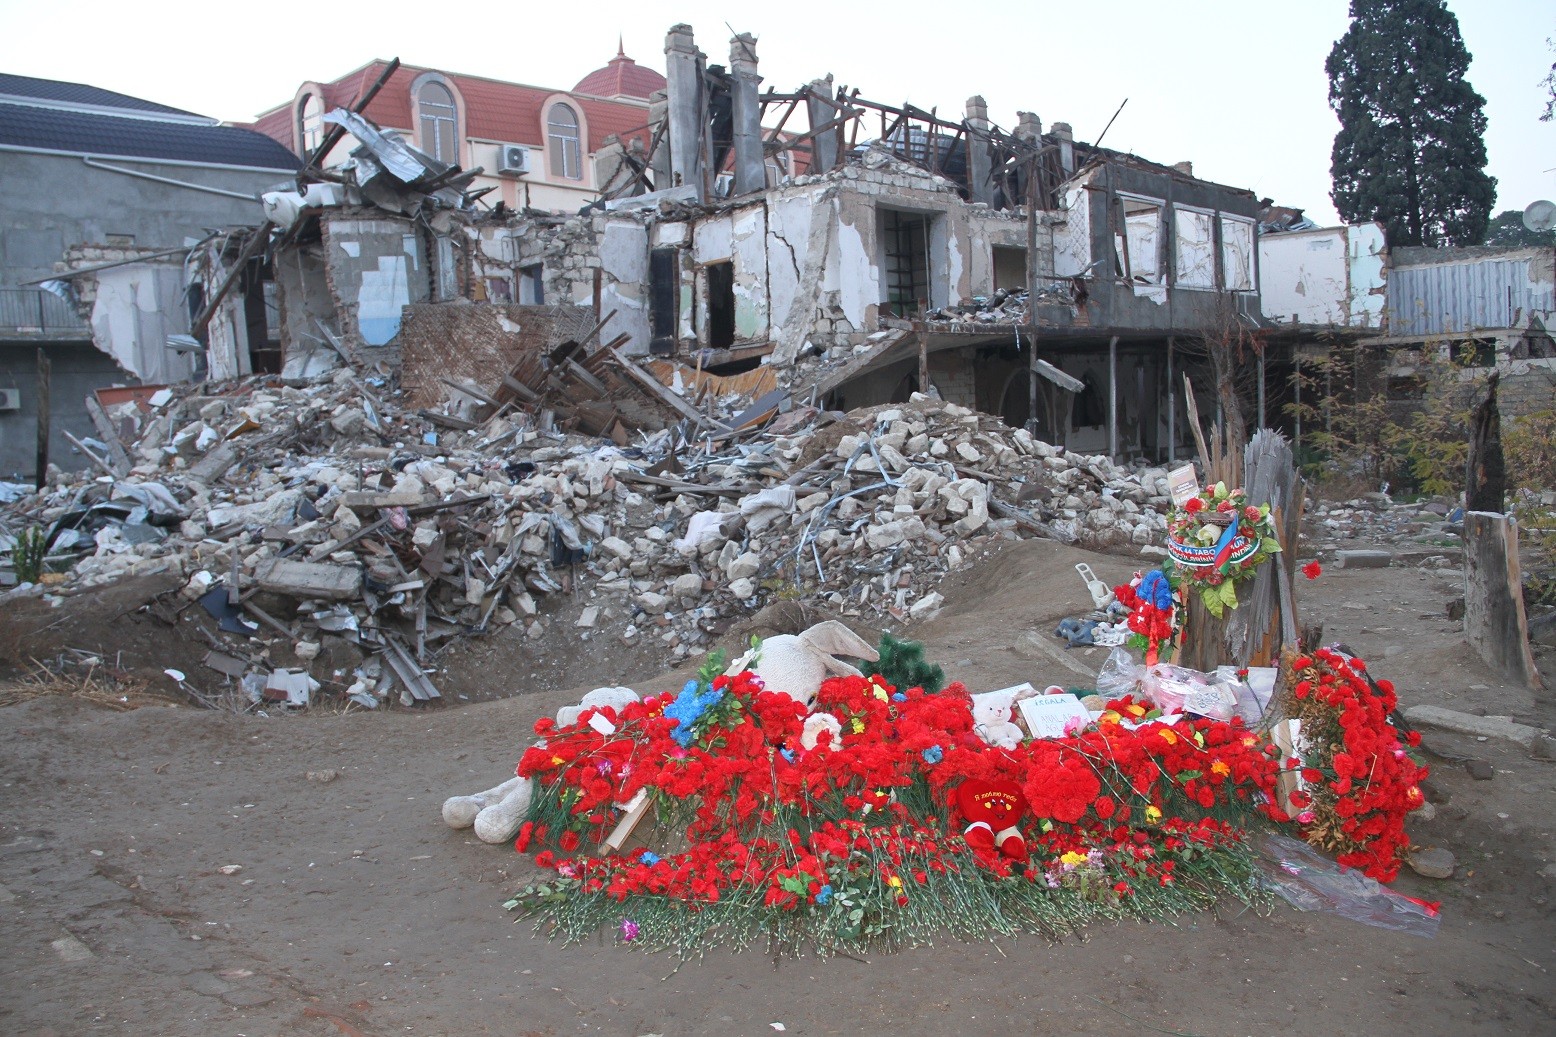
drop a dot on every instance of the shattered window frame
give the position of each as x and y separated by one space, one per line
1123 248
1206 219
439 121
1248 281
563 143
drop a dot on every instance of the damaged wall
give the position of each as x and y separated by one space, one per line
134 310
1147 269
375 266
1333 275
477 343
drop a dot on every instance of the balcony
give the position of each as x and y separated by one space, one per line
34 315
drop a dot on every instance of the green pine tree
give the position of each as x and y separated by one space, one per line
902 664
1507 230
1411 152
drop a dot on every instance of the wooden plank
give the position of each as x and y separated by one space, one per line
251 248
519 389
656 390
119 457
471 391
90 456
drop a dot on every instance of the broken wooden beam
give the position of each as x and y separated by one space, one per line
657 390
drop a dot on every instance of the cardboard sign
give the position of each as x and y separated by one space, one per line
1048 715
1182 483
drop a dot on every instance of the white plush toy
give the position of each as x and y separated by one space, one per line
796 664
992 713
616 698
496 813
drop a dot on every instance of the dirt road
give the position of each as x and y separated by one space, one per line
179 871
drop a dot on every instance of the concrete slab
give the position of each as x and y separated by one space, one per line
310 579
1363 559
1470 724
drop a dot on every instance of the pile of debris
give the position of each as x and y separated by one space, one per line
1003 307
329 513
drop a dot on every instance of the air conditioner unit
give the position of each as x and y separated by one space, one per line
513 158
10 399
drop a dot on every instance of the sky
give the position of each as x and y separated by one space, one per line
1235 86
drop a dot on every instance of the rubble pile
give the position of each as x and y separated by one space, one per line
328 512
1003 307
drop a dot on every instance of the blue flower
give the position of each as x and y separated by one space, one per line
934 754
688 708
650 859
1155 589
898 696
824 894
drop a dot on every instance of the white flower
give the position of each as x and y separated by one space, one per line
815 724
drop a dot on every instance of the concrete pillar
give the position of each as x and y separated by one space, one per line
1029 127
750 166
823 145
978 187
1066 138
658 112
684 66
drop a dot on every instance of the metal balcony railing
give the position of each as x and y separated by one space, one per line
33 309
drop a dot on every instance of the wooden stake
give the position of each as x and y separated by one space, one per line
1495 623
43 420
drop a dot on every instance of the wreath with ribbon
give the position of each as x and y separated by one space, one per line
1215 541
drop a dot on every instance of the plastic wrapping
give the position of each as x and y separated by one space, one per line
1177 689
1309 881
1120 675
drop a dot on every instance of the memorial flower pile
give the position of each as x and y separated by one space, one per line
849 834
1358 780
1215 541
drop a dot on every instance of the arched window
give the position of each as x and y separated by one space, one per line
439 122
310 123
562 142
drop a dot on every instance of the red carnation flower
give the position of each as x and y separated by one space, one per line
1312 570
1194 505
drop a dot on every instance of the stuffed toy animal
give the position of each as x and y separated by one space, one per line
993 812
615 698
496 813
994 713
796 664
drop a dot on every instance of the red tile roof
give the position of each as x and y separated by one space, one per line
493 110
622 77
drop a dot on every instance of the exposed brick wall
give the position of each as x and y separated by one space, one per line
476 341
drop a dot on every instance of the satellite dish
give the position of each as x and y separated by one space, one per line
1540 216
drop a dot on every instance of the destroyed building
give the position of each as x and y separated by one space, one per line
103 195
861 251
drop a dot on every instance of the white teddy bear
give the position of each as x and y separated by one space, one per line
796 664
616 698
993 715
497 813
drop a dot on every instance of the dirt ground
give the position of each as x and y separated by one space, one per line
353 910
